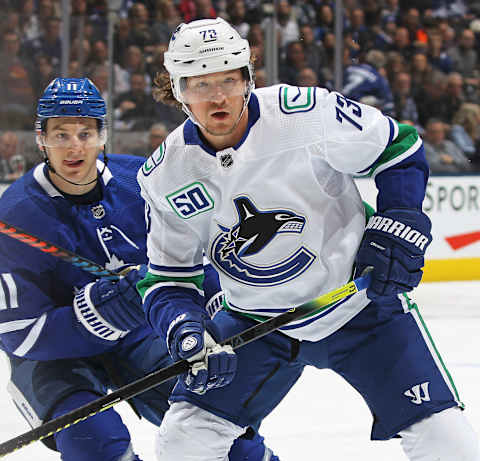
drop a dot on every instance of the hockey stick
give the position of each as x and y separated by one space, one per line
59 252
157 377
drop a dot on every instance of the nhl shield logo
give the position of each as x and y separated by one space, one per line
98 211
226 160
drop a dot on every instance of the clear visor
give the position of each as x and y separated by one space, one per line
72 135
211 88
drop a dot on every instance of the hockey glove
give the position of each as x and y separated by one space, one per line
394 243
192 337
109 309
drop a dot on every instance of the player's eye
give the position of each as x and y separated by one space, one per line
201 86
61 136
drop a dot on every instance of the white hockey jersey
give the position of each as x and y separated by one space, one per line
278 215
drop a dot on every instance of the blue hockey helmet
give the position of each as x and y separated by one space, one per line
71 97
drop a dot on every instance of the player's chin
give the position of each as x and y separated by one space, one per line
220 128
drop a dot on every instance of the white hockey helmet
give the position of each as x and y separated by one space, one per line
204 47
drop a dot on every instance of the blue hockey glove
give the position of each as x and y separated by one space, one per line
109 309
191 337
394 243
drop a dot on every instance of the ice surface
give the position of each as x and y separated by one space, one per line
322 418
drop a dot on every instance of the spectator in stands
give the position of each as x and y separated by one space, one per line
49 43
47 9
443 155
134 62
99 57
99 76
395 63
383 36
357 28
390 11
12 163
236 12
16 92
432 97
82 24
156 135
134 109
255 34
286 23
405 106
120 39
366 79
171 116
305 13
80 51
421 72
465 132
196 9
372 13
325 23
327 69
11 21
166 20
436 55
141 34
29 22
402 43
314 52
43 74
448 34
464 56
411 21
307 77
295 61
455 95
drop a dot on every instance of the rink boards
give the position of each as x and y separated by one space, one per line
453 205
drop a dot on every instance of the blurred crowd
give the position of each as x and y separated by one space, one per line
416 61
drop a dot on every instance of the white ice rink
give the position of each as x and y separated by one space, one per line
322 418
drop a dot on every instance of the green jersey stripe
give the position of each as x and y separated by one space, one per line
150 280
405 144
433 348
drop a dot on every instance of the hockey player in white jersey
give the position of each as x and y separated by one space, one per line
69 338
261 181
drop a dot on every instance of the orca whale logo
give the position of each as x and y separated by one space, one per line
252 233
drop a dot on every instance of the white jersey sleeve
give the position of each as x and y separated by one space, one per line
349 135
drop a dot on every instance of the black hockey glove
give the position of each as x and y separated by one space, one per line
394 243
109 309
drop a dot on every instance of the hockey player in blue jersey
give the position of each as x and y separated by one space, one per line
262 182
69 337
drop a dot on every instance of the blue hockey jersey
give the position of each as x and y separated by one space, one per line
364 80
36 289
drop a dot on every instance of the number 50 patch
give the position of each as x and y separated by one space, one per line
190 201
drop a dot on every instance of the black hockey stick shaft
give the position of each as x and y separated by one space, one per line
154 379
57 251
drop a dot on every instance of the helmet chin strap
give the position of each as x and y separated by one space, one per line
52 169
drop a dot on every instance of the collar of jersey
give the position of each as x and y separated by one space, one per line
192 135
40 175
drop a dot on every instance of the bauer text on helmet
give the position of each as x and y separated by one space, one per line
71 97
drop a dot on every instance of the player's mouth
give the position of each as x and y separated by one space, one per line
220 115
73 163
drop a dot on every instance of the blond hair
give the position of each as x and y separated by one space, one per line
468 116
